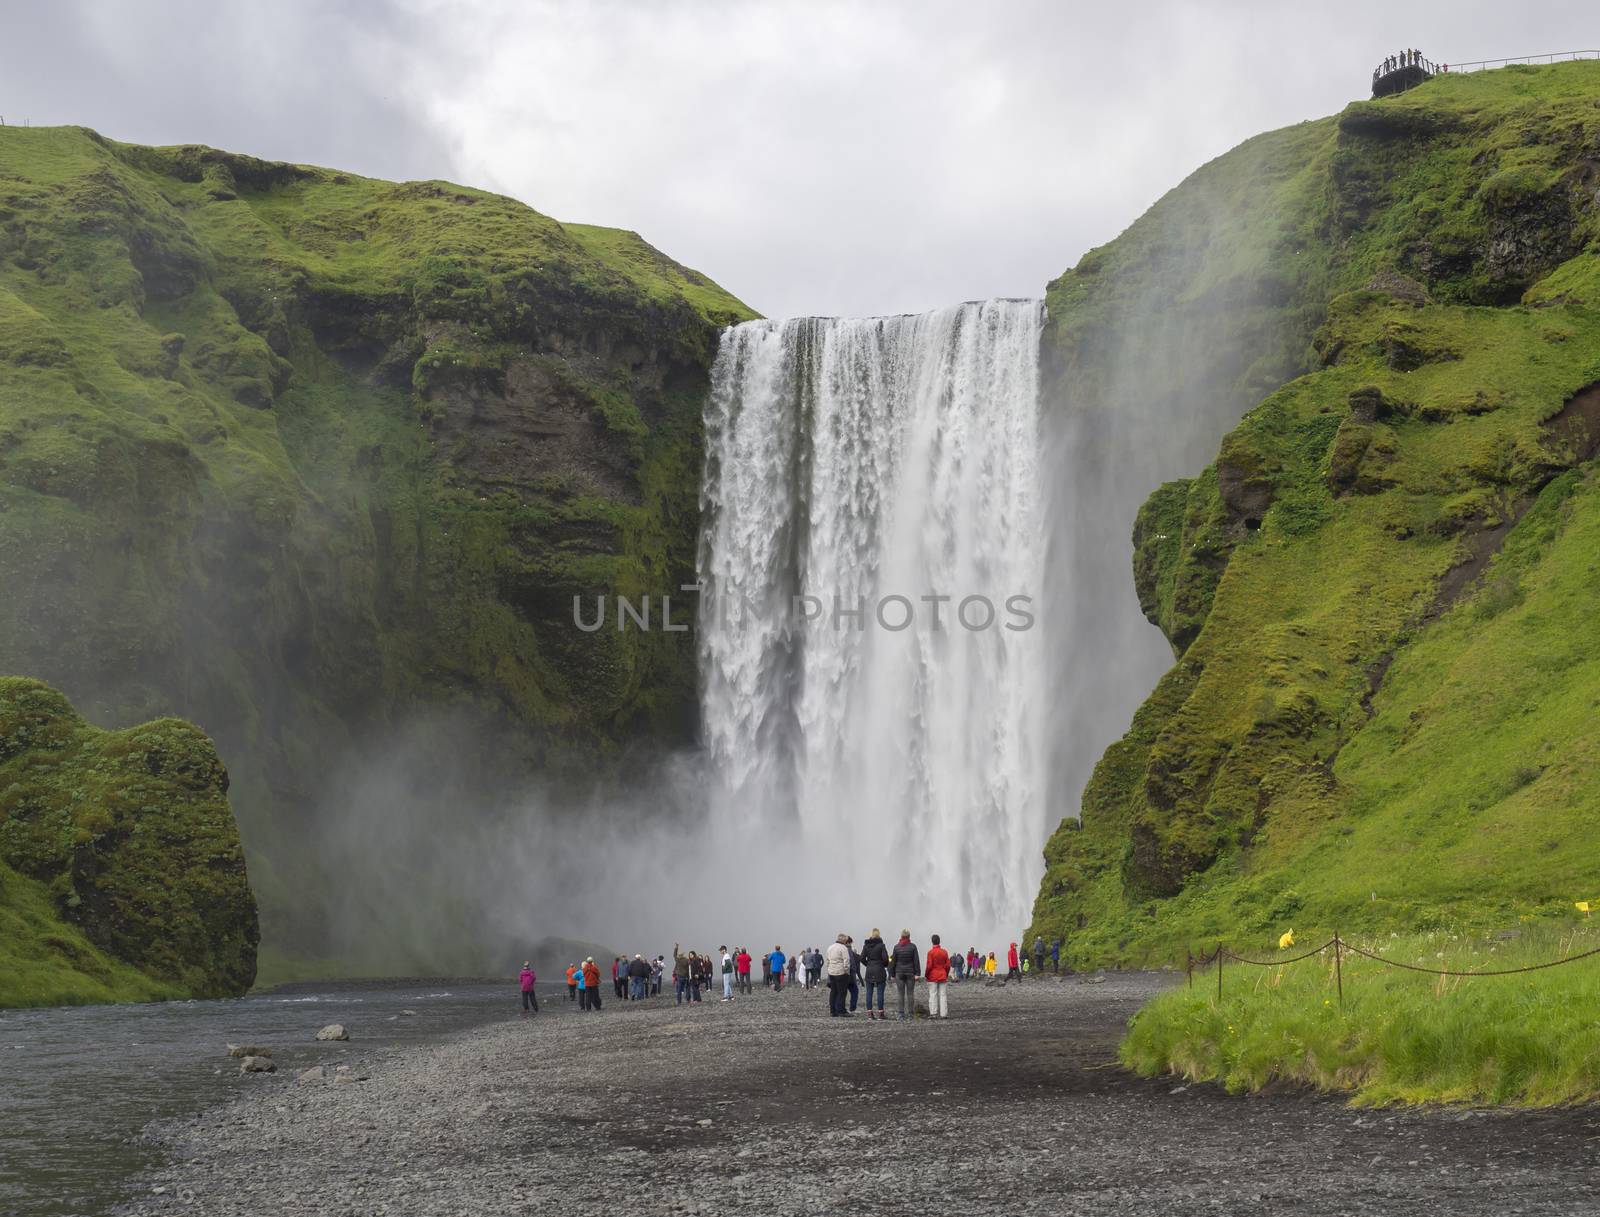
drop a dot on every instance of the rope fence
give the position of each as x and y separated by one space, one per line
1340 947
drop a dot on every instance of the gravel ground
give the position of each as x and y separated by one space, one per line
766 1105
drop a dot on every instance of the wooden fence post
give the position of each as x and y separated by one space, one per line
1338 968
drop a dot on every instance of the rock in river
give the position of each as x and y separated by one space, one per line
333 1031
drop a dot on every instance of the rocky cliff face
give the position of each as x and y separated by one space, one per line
116 848
309 458
1372 590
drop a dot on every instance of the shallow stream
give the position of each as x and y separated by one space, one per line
78 1084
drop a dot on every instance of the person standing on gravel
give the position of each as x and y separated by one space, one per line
638 978
680 976
1055 956
794 968
837 964
741 964
582 985
937 973
1013 966
775 962
875 967
572 982
1038 954
727 975
699 974
530 1000
905 965
855 972
591 981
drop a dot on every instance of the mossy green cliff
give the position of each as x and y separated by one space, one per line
1379 593
301 456
121 871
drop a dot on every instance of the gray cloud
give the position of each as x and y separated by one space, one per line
813 158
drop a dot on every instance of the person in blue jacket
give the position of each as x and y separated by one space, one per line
777 959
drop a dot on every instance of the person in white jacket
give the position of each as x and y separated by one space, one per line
836 962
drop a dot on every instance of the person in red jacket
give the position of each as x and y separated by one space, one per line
1013 966
526 979
936 971
741 968
591 981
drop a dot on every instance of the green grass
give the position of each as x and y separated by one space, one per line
47 962
300 455
118 851
1398 1036
1346 738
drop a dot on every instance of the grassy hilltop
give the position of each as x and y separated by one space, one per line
306 457
1378 594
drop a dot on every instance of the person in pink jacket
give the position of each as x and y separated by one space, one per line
530 1000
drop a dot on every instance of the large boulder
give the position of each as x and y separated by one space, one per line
132 835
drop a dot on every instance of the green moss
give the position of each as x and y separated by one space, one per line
298 455
131 835
1367 723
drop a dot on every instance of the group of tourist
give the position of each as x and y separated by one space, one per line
1410 58
844 970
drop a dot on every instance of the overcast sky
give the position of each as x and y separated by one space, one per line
812 157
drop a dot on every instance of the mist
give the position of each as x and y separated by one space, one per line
424 872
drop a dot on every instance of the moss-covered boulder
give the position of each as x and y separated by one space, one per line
130 835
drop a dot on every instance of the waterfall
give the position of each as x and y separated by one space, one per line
870 632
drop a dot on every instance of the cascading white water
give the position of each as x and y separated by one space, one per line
857 472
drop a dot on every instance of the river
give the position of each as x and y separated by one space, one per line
77 1084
